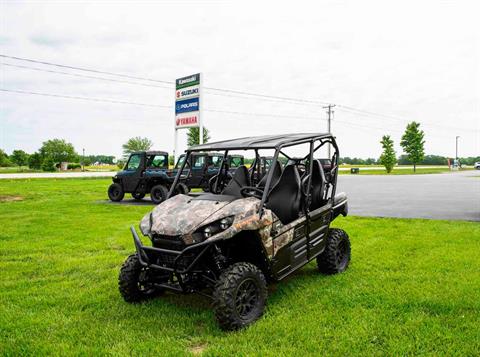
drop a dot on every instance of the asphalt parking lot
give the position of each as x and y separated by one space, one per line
453 196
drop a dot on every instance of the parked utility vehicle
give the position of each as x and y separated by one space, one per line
202 166
145 172
228 243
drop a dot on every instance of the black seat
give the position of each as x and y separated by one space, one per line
239 180
285 197
277 173
318 185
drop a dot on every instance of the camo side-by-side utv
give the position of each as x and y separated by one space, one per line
230 242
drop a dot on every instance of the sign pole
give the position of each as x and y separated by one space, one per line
200 116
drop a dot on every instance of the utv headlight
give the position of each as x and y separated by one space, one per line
217 227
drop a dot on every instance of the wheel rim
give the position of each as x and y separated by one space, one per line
156 195
246 298
115 192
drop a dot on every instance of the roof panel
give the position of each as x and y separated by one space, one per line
258 142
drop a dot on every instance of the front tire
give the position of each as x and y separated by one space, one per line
336 256
132 281
115 192
239 296
158 194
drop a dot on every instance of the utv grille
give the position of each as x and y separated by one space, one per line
168 242
174 243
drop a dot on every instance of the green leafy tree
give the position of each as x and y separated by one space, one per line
58 150
35 161
193 136
413 143
4 160
136 144
19 157
48 164
388 158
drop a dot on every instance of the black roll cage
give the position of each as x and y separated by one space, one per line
323 140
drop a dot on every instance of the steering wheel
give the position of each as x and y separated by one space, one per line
251 191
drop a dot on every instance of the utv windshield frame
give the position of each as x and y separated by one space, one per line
272 142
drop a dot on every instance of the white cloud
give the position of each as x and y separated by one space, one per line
416 60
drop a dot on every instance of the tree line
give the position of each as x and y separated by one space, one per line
52 152
50 155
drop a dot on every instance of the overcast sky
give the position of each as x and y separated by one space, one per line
408 60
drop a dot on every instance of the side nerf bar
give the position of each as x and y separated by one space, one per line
145 259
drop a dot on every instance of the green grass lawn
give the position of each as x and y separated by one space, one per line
412 287
16 170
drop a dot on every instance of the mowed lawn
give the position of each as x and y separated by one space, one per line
413 287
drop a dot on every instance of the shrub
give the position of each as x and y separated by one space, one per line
48 164
73 166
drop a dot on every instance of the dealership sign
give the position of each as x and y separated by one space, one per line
187 101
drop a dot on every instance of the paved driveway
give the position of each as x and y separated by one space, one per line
437 196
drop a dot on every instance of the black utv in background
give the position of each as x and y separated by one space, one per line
202 167
146 172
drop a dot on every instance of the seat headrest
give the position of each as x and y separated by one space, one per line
239 180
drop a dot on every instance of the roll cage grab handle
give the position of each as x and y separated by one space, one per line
278 149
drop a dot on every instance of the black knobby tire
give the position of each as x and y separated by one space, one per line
138 195
239 296
182 189
131 281
158 194
336 256
115 192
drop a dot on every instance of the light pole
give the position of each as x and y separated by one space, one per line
456 147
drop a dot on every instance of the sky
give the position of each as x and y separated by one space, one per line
397 60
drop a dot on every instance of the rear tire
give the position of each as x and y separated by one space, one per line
132 282
158 194
239 296
138 196
115 192
336 256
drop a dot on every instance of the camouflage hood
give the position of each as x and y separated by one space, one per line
183 214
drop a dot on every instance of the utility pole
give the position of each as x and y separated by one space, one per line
330 117
456 147
83 160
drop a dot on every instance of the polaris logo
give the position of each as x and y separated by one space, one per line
187 105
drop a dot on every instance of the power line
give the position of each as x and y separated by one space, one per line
370 114
219 91
151 105
209 110
231 91
84 69
85 98
84 76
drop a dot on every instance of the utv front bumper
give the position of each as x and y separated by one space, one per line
168 260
